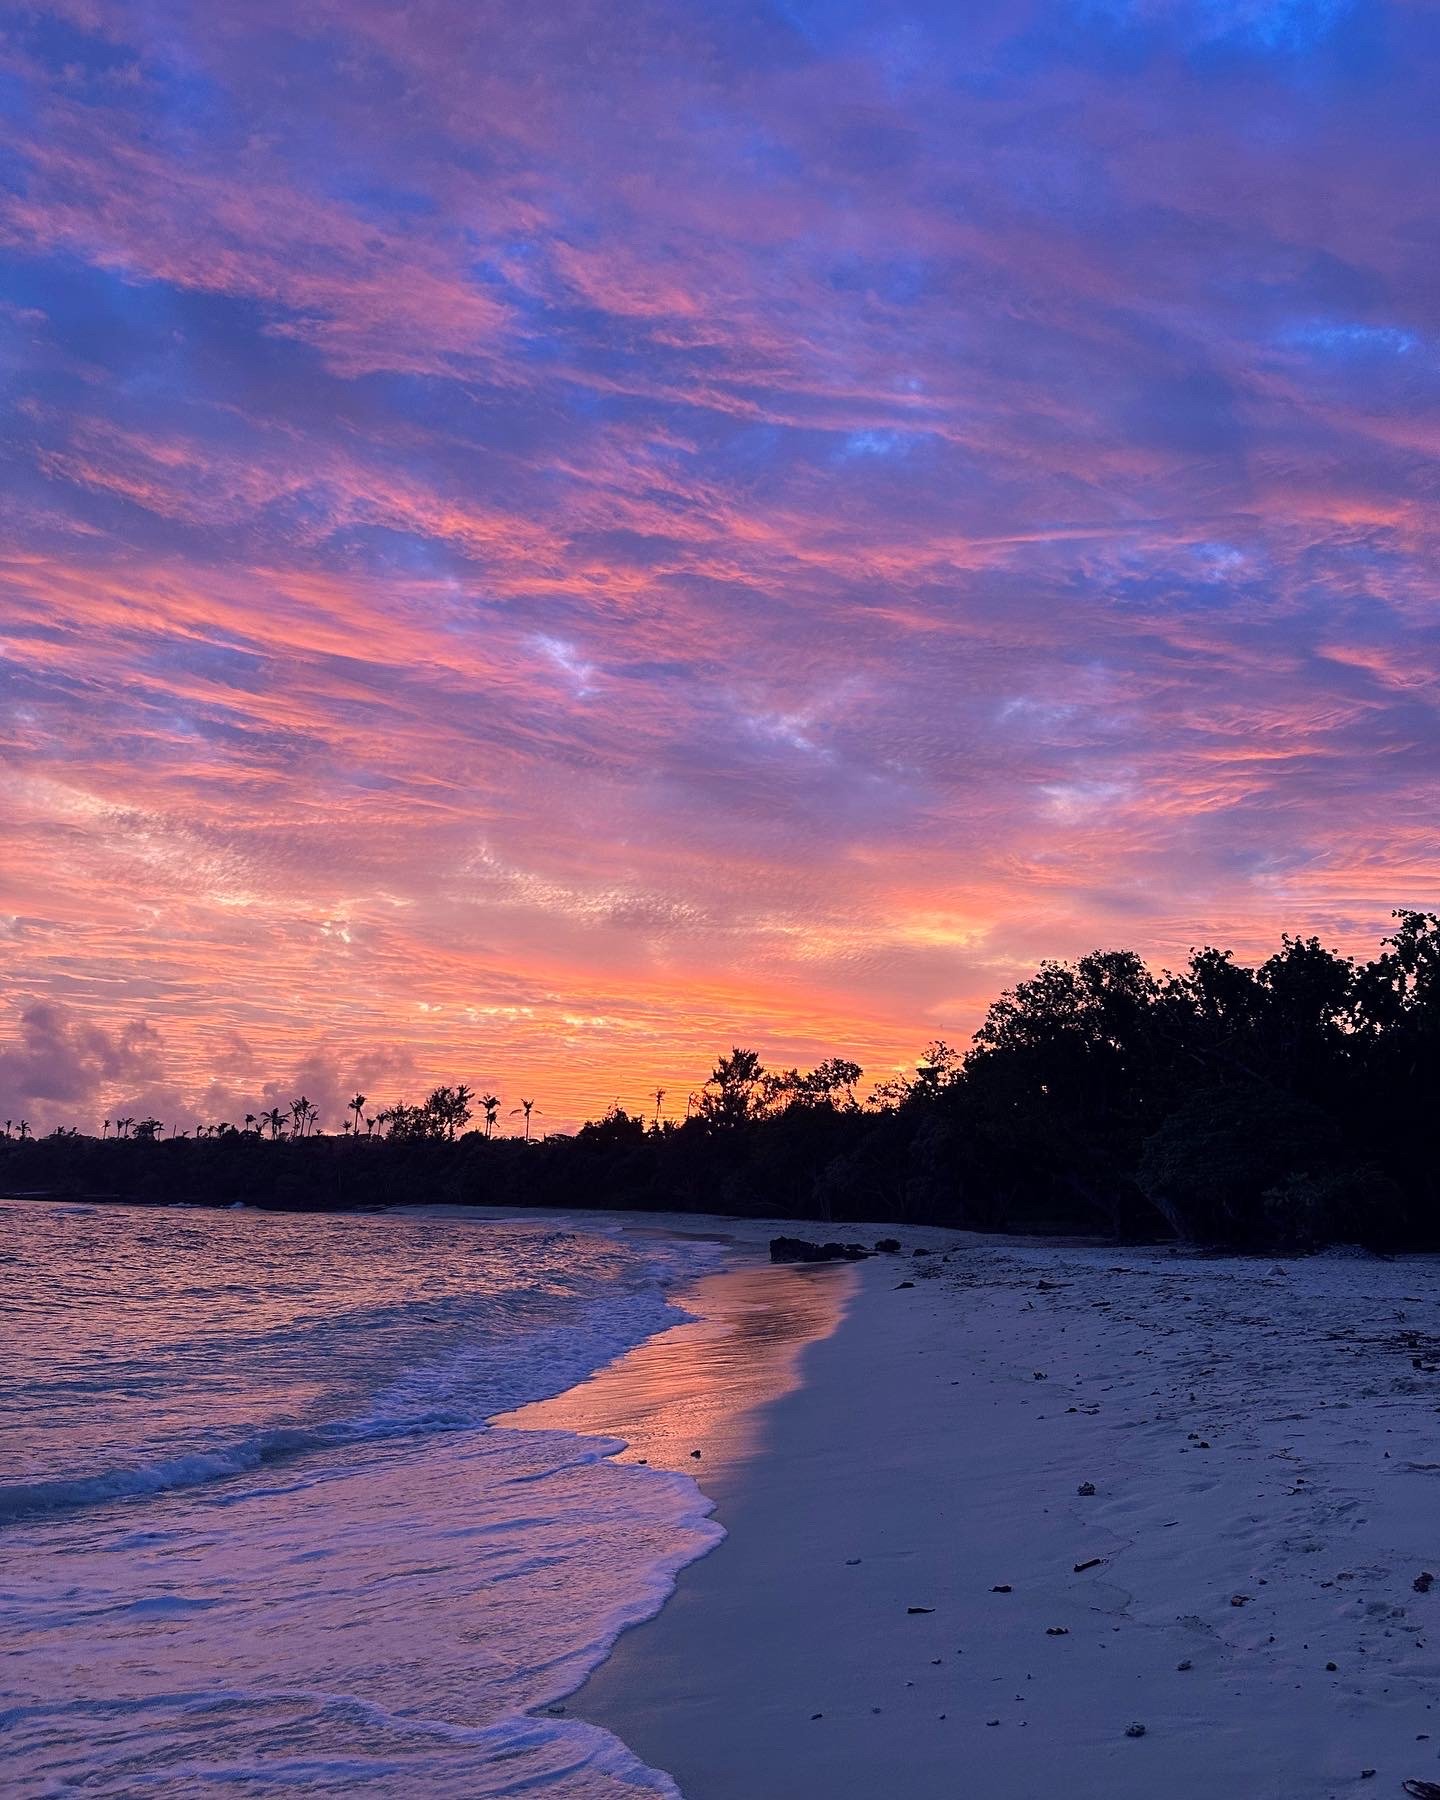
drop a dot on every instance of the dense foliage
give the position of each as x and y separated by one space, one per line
1290 1104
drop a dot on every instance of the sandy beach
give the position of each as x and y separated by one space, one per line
919 1594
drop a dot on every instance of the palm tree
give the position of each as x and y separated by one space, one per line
369 1125
249 1121
24 1130
356 1106
659 1104
490 1103
304 1114
104 1131
275 1119
526 1107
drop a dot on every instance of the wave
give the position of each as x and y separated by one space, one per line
461 1392
192 1468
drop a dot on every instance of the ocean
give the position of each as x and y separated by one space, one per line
256 1534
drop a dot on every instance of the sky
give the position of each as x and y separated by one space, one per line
538 542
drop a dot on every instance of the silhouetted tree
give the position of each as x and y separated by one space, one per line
1286 1104
732 1095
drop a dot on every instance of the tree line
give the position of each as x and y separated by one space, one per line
444 1113
1287 1104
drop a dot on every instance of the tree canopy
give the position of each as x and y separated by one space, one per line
1290 1103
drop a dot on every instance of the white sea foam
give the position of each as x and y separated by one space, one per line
257 1533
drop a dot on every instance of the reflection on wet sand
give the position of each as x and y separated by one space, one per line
703 1385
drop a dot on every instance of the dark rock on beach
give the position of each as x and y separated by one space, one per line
789 1249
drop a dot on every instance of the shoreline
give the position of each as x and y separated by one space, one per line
1264 1457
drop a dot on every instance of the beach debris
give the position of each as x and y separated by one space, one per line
919 1609
1003 1587
1422 1790
1332 1668
1039 1374
1184 1667
1085 1489
1135 1730
992 1721
815 1716
791 1249
1365 1774
1241 1599
1423 1582
696 1455
850 1561
922 1251
903 1284
1057 1631
888 1246
1092 1562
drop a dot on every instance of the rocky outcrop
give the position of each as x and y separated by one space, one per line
789 1249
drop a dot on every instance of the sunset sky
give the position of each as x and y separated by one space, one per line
538 541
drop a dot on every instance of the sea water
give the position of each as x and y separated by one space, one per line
256 1534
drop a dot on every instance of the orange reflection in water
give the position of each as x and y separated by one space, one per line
703 1385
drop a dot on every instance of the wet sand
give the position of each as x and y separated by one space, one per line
706 1386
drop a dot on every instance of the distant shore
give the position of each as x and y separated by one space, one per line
919 1595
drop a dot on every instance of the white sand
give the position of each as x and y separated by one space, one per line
1252 1430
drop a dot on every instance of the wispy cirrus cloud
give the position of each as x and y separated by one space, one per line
537 544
